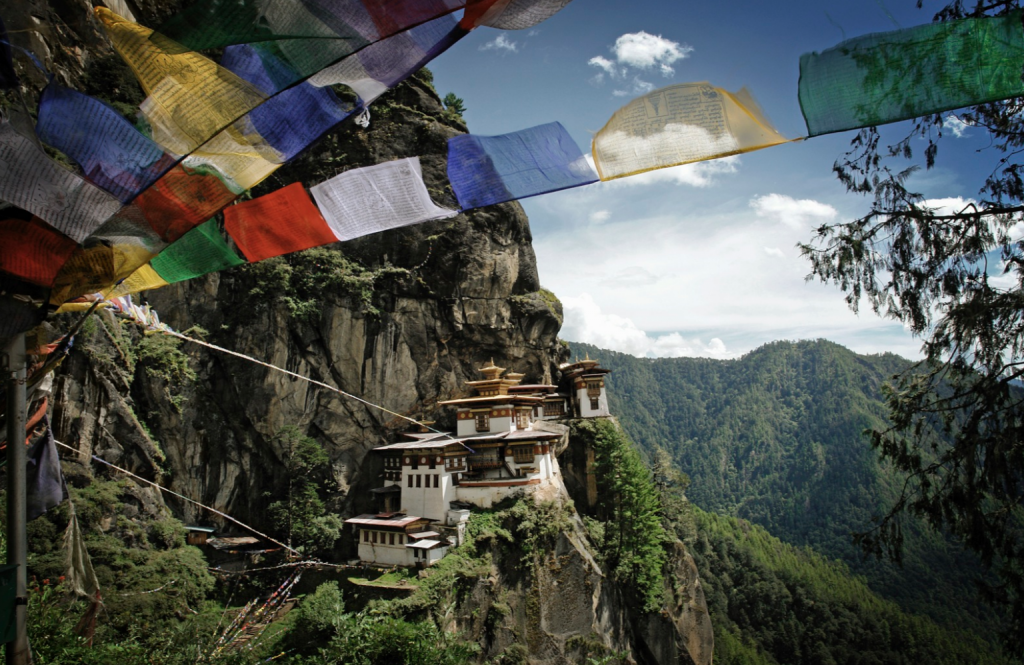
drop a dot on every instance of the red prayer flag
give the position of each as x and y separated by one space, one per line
33 250
181 200
281 222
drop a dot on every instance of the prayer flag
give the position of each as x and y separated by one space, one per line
891 76
680 124
17 316
218 23
200 251
376 198
143 279
31 180
44 482
388 62
484 170
281 222
511 14
93 269
291 120
32 250
112 153
182 199
191 98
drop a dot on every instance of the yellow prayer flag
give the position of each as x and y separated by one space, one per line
191 97
93 269
240 157
680 124
80 307
143 279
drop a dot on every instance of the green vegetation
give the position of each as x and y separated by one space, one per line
774 603
300 516
628 531
303 281
775 438
161 358
454 106
956 279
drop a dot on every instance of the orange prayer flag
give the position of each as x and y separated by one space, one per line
281 222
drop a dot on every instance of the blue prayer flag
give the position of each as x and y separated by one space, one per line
484 170
112 153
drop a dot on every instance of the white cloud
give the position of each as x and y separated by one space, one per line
599 216
603 63
950 205
774 251
638 86
585 322
639 51
698 174
646 51
795 213
955 126
501 43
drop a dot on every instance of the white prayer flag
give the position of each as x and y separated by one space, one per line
32 181
376 198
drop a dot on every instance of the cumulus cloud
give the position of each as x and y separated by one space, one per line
585 322
600 216
501 43
955 126
698 174
646 51
639 51
794 213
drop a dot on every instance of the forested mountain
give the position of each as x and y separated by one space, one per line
776 438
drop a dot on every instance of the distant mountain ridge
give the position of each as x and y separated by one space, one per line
776 437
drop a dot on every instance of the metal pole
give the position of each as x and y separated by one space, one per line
17 541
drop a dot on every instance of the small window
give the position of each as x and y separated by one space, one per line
373 536
418 476
366 536
522 454
432 465
523 419
594 403
391 539
483 422
401 539
410 480
435 481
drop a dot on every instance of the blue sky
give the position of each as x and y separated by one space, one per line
700 259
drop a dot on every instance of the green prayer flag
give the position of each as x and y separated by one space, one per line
200 251
891 76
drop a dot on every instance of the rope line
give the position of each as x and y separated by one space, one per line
174 333
182 496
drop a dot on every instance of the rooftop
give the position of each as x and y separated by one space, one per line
448 439
392 520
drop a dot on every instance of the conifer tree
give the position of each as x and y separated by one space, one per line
956 279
